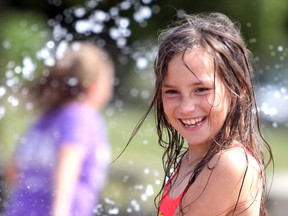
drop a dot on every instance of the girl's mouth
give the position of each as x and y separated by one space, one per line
192 122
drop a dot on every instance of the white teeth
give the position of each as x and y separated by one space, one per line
191 122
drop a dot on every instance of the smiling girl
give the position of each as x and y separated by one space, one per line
204 97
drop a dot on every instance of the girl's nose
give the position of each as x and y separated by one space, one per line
187 105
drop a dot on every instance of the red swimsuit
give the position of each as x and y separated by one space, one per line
168 206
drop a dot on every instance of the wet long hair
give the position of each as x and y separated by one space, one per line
79 66
220 37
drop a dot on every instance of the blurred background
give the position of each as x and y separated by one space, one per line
128 29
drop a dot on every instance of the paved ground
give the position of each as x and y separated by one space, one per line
278 199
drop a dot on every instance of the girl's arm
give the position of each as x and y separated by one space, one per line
67 173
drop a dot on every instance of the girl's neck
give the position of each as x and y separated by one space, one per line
195 153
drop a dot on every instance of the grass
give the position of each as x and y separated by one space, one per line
277 138
136 176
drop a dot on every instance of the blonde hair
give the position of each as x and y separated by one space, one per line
80 66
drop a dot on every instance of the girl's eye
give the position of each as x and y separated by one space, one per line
170 92
202 90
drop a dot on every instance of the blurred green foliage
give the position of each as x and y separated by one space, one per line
264 24
25 29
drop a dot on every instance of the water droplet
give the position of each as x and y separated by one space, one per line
35 27
125 5
9 74
109 201
97 28
6 44
135 205
17 69
114 12
141 63
277 95
59 32
123 22
113 211
28 69
158 182
114 33
138 187
145 94
100 16
156 9
144 197
134 92
147 1
72 81
125 178
3 91
142 14
61 49
146 170
280 48
82 26
23 23
109 111
119 103
2 112
29 106
149 190
13 81
13 100
283 90
92 3
50 44
80 12
252 40
121 42
129 210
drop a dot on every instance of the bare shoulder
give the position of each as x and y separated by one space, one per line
236 170
230 182
235 161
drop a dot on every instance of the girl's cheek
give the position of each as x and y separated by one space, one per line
209 101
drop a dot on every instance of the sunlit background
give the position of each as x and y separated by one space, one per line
31 32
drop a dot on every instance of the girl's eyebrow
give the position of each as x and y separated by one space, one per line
165 85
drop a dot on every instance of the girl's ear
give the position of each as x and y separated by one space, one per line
233 99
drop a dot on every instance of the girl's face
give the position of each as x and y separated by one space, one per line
195 101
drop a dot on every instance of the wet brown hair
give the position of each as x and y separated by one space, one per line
220 37
79 67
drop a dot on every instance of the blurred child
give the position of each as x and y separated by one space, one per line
60 165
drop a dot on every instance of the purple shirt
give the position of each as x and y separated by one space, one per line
74 124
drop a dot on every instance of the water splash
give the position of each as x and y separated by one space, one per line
104 26
273 103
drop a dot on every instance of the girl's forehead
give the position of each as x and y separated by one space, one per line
197 62
198 57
